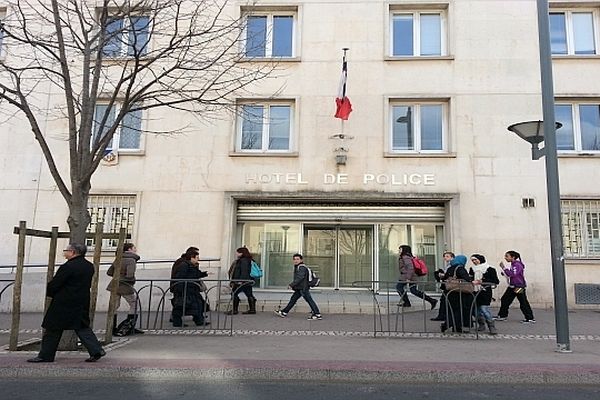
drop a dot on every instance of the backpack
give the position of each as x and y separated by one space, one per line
313 279
255 270
420 267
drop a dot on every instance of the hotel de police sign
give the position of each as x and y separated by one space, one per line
297 178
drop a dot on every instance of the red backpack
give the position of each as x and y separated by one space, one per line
420 267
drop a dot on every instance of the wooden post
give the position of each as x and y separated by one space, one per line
51 262
16 304
112 303
95 279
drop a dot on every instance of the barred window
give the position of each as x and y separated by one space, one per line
581 228
115 211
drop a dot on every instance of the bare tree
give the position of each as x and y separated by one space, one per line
108 61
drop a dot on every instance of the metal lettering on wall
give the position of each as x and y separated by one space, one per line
297 178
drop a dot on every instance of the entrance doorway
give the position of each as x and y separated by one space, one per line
340 255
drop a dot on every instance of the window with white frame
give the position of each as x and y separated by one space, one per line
418 127
417 33
127 36
265 127
128 135
580 130
581 228
115 212
270 34
574 32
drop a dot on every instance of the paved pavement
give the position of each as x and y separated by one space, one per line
338 348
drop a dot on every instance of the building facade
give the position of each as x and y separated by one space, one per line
425 158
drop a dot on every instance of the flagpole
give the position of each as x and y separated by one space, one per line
344 49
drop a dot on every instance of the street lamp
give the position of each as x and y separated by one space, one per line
561 310
532 132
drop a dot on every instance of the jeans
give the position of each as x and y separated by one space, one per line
305 293
485 312
401 289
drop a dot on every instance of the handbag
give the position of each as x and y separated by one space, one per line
459 285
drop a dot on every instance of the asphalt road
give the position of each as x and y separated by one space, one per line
67 389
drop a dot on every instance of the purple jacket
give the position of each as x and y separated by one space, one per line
515 274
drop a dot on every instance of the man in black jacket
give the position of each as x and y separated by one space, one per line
301 289
70 306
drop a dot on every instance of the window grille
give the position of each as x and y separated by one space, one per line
581 228
115 211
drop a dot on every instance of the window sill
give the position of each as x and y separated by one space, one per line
419 155
135 153
579 155
241 154
583 261
576 57
271 59
417 58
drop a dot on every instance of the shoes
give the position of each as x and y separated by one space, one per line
38 360
281 313
437 319
528 321
315 317
433 303
137 331
443 327
499 318
96 357
404 305
205 323
179 326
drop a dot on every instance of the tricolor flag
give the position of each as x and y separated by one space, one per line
342 103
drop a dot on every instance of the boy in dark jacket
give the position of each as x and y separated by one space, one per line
301 289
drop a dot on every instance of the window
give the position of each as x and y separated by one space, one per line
417 34
418 127
581 228
265 127
581 127
270 34
115 211
127 37
573 32
128 134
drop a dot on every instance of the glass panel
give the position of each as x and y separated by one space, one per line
138 36
99 114
564 135
283 33
431 35
131 128
558 33
589 117
402 31
391 236
252 127
320 253
114 38
431 127
279 128
272 246
424 247
402 128
256 36
355 255
583 33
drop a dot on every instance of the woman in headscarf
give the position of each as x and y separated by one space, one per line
484 278
459 316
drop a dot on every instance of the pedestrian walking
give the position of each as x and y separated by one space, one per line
301 289
407 277
241 271
517 287
70 306
125 290
448 256
484 278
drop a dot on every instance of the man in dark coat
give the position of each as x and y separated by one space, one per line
70 305
301 289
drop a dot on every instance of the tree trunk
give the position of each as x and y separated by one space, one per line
78 220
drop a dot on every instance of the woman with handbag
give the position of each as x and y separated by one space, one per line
460 296
241 271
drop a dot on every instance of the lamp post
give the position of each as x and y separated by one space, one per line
533 132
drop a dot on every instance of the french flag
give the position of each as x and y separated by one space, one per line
343 107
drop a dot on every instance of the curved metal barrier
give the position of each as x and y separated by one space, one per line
391 316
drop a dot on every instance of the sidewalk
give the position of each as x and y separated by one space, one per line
265 347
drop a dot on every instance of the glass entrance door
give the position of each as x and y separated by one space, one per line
340 255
